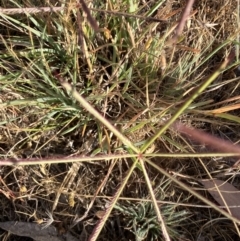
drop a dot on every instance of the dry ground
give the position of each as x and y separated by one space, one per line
133 75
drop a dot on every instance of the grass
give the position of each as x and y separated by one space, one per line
89 117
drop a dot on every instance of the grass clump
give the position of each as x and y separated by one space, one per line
88 110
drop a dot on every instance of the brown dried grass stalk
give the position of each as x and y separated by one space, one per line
12 11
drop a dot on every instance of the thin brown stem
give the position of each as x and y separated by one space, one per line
206 139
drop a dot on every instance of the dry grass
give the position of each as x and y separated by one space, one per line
129 178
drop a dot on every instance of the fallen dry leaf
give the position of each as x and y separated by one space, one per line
228 192
35 231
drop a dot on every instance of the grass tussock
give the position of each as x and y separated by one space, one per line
89 115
